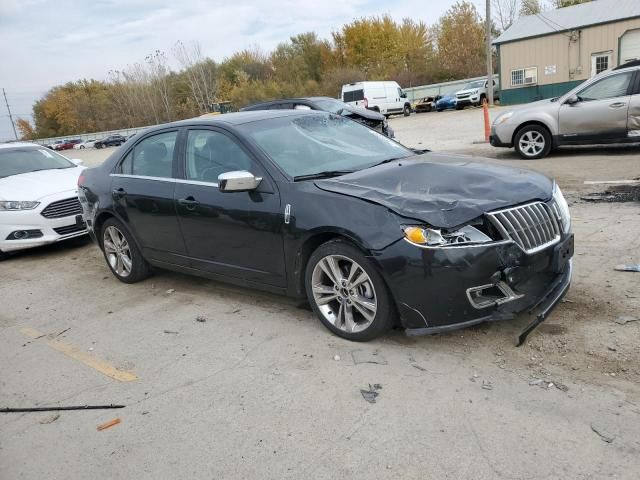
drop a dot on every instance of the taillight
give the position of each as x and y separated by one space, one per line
366 102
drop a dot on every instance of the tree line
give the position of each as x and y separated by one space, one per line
154 91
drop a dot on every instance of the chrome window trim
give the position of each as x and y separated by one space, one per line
164 179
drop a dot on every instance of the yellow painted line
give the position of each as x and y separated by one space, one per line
83 357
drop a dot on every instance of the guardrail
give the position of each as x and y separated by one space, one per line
414 93
125 132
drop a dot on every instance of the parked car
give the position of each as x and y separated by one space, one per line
111 141
475 93
383 97
66 144
603 109
370 118
309 203
446 101
84 144
38 197
426 104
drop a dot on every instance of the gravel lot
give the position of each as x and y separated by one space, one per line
223 382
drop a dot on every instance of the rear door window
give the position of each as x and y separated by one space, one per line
353 96
152 157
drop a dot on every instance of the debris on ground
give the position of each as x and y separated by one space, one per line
237 310
624 319
201 319
371 394
362 356
50 419
615 194
170 332
336 358
109 424
422 369
632 267
55 409
603 433
487 385
170 291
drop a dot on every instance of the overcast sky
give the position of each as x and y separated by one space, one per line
47 42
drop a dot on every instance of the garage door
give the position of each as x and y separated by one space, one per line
630 46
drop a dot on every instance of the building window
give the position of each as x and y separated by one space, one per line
600 62
524 76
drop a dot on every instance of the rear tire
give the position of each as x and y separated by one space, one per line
532 142
122 253
347 293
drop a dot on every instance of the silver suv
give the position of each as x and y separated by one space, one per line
603 109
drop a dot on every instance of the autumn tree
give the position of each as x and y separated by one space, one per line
461 52
530 7
27 132
567 3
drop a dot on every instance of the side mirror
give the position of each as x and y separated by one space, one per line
238 181
572 100
76 161
403 95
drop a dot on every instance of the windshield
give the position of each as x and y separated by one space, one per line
333 106
476 84
310 144
15 161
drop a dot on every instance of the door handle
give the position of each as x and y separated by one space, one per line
617 105
119 193
190 203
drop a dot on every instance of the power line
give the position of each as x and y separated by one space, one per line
9 110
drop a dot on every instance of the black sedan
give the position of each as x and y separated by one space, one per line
370 118
114 140
314 205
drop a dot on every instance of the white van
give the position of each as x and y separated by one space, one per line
384 97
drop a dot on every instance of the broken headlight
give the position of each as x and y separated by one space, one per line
561 209
433 237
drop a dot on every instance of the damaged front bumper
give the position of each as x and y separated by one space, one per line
439 290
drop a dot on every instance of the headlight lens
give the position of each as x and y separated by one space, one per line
13 206
562 208
433 237
503 118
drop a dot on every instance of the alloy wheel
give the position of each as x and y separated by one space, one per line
117 251
344 293
531 143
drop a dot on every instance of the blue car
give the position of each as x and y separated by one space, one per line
446 101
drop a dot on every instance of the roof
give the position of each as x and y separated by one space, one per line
284 100
18 145
238 118
570 18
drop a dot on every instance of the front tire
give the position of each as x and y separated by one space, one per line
407 110
122 254
82 147
347 293
533 142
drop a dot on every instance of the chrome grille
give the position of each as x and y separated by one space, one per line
533 227
63 208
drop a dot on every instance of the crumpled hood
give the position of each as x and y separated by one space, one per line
37 185
441 194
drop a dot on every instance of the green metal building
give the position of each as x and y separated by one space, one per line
545 55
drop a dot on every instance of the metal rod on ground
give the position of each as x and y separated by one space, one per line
487 33
13 125
54 409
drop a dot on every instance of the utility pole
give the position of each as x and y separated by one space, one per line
487 33
13 125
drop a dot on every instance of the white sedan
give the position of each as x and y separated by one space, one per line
84 144
38 197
